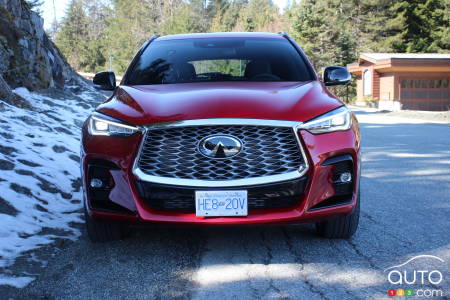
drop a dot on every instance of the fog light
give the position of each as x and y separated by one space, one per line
96 183
345 177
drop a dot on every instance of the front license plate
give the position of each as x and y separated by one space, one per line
220 203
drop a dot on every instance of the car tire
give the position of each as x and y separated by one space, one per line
101 232
340 227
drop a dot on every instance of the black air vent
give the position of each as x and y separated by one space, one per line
182 199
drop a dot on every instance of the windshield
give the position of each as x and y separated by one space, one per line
219 59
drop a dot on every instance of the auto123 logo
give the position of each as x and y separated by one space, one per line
419 276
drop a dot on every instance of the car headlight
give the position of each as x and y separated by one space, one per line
104 125
335 120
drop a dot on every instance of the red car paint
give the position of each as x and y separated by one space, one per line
292 101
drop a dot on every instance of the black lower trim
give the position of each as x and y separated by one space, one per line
98 198
109 206
182 198
343 191
333 202
337 159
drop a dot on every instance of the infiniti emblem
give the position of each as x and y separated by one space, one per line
220 146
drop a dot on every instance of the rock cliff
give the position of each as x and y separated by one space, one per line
28 58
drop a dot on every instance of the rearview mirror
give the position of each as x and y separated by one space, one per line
105 80
335 75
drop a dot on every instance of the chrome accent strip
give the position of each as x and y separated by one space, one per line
216 183
296 129
224 121
222 183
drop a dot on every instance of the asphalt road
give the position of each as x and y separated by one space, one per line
405 194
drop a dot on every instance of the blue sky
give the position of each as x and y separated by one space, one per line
60 6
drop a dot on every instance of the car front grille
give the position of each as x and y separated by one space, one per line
172 152
182 199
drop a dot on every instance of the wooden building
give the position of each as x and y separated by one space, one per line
403 80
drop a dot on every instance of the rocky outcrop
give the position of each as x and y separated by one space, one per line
27 56
9 97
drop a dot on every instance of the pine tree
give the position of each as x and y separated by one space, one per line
258 15
216 10
130 25
441 28
186 17
330 31
226 18
35 5
418 26
323 31
216 7
71 37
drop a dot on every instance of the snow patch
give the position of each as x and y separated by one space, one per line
18 282
39 174
22 92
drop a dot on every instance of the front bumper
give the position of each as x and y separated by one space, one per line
315 200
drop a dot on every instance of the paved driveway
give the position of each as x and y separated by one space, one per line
405 213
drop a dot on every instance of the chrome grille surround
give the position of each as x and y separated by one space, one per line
285 133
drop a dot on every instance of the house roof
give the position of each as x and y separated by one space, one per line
402 62
384 56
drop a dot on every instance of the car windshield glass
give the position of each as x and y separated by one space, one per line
219 59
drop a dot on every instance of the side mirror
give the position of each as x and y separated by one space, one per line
105 80
335 75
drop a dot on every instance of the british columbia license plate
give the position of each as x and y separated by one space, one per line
221 203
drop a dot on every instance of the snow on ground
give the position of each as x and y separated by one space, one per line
40 193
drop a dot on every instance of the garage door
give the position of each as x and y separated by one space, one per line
425 94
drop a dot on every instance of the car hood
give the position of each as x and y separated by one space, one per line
290 101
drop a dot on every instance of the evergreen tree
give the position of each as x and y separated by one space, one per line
226 17
97 12
216 7
418 26
71 37
187 17
322 29
130 25
330 31
258 15
35 5
441 28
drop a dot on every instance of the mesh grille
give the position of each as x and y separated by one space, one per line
173 152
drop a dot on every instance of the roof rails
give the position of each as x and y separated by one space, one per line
153 37
284 34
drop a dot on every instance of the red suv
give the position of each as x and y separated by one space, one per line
221 129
